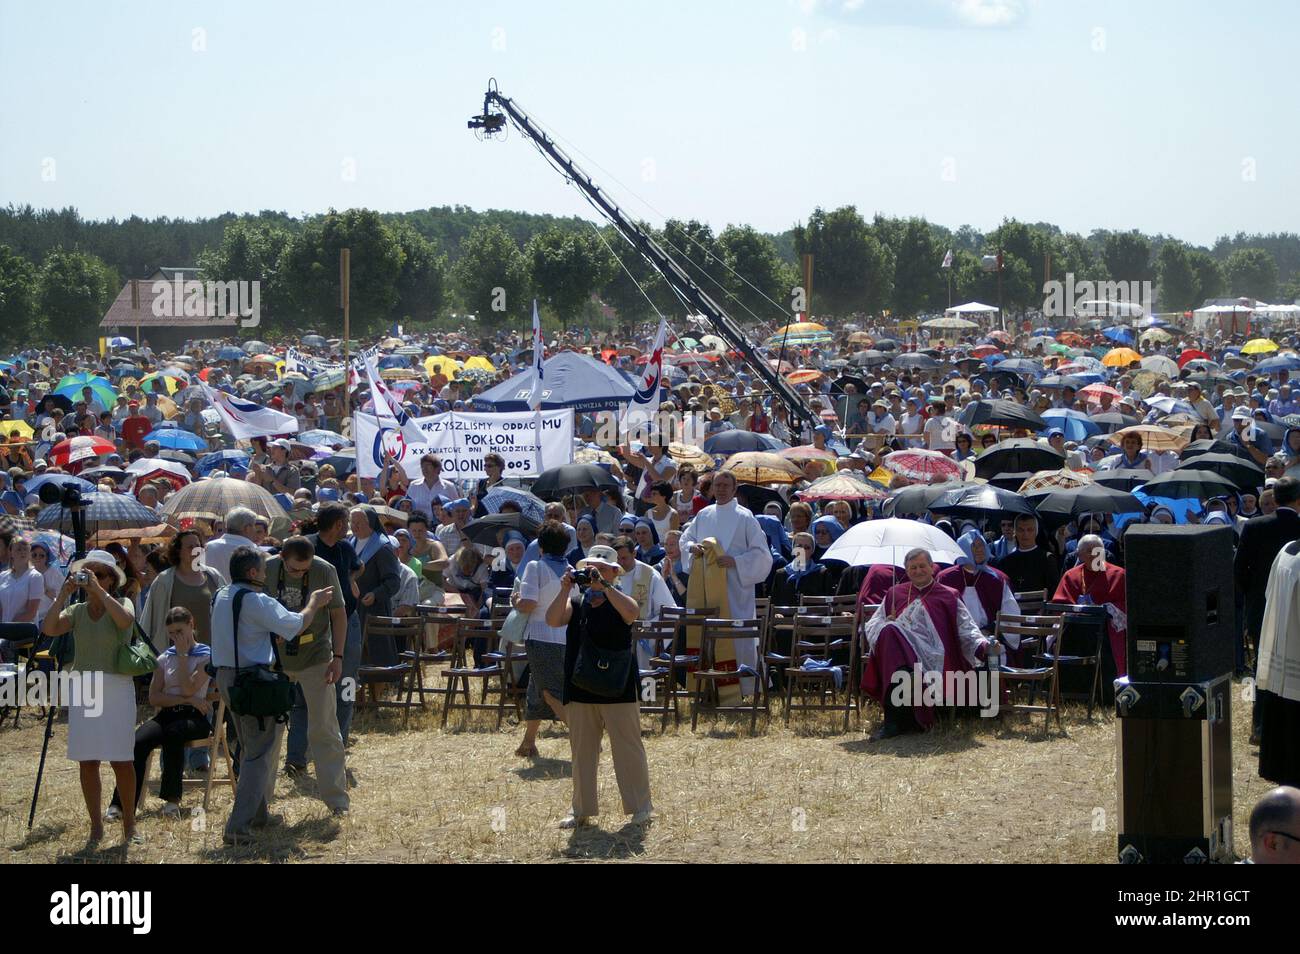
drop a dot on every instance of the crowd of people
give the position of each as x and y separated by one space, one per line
289 587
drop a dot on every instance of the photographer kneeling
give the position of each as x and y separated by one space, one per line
600 686
241 609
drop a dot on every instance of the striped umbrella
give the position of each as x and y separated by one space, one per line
1055 480
843 486
80 448
103 511
214 497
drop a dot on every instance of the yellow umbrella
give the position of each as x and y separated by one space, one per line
170 382
167 406
448 365
1120 358
478 361
690 454
761 467
1259 346
23 429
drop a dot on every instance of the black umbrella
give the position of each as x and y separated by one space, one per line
179 456
726 443
982 500
1274 432
1209 379
916 500
1003 380
1020 366
1010 481
1197 448
115 474
51 401
869 359
1122 479
1001 413
1247 475
1188 484
837 386
755 498
1015 455
1076 501
1112 421
1057 382
915 360
886 344
571 479
487 530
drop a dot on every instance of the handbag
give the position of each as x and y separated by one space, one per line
137 656
602 672
258 691
515 624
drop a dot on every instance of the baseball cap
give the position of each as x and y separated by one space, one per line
281 443
1241 413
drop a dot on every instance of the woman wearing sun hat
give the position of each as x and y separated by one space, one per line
101 727
599 620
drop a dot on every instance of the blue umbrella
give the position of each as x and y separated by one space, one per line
60 480
1119 334
231 353
1282 362
122 370
174 438
1076 425
322 438
529 505
394 361
231 461
120 342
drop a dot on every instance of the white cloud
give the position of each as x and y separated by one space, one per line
988 13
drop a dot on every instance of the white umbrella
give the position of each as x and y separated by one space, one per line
970 308
713 343
1095 307
888 542
1161 364
949 323
150 465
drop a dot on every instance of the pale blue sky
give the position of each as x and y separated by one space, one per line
1086 113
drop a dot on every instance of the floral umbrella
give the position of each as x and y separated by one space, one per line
926 466
843 486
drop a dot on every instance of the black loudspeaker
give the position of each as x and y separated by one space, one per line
1174 752
1181 602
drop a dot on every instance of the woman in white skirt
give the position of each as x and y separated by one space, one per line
101 725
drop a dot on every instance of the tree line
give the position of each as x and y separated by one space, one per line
59 272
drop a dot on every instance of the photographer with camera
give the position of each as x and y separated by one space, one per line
600 685
244 624
314 662
102 729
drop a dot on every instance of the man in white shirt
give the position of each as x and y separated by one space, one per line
940 430
239 527
430 485
151 409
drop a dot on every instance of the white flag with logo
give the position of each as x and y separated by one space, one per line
244 419
539 348
947 260
388 407
641 410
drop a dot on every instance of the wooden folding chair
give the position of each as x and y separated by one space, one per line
822 639
461 673
864 613
433 619
704 694
1031 602
779 640
214 743
383 641
686 659
663 668
845 604
1016 680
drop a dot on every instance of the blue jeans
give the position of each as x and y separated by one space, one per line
296 744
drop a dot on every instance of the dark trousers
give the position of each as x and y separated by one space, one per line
169 730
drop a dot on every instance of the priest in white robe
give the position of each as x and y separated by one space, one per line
748 559
1277 675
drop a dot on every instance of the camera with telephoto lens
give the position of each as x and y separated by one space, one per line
583 578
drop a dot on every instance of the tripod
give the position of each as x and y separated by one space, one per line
71 499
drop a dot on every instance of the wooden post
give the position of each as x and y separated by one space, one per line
345 280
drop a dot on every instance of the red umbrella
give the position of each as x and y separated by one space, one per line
931 467
1095 391
983 351
76 449
1191 355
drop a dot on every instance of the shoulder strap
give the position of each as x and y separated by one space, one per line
236 604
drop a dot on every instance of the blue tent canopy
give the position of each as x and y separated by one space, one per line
569 380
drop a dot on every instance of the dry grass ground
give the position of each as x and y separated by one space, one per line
971 791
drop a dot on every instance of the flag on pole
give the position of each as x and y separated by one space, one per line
244 419
947 260
641 410
539 347
388 407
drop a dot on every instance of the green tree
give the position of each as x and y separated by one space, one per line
1251 272
309 271
422 282
1210 282
18 288
1127 256
634 288
1179 287
852 271
73 291
920 283
758 282
250 251
492 277
565 268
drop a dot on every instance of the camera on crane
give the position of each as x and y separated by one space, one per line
489 122
67 495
